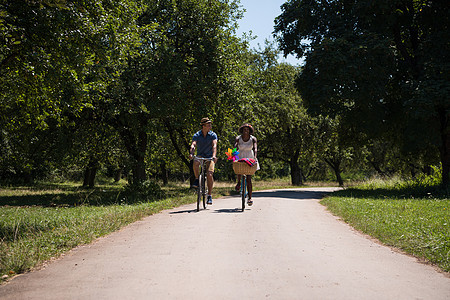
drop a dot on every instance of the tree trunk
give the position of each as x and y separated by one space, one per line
135 139
181 152
445 146
137 148
296 172
427 170
89 174
117 175
377 168
164 173
445 159
191 173
139 174
336 166
338 176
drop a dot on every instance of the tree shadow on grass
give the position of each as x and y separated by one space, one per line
64 198
432 192
62 195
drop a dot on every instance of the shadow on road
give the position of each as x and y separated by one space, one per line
228 210
183 212
288 194
291 194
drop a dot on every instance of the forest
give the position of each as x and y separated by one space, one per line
115 89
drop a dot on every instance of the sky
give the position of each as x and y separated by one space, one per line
259 18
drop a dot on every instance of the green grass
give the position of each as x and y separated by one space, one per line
410 217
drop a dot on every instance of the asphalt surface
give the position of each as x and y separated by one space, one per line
286 246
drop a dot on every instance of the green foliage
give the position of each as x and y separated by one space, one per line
184 70
380 66
57 57
92 73
146 191
273 106
46 75
424 182
272 169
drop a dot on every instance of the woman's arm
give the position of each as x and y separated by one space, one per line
236 142
255 146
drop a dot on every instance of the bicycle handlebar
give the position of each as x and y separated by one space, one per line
202 158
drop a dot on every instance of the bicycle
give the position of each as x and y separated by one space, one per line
244 170
202 189
243 192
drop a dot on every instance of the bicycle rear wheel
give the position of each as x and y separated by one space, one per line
243 190
204 190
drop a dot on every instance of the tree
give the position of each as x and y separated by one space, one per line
56 57
50 50
380 65
183 71
285 130
336 143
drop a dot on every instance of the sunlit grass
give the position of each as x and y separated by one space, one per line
413 218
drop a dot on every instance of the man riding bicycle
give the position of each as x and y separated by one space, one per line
206 142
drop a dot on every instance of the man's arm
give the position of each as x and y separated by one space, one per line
214 148
192 150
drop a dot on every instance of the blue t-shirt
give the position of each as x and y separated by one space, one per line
204 144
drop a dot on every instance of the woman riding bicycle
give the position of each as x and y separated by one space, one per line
248 148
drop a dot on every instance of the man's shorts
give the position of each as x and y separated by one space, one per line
210 166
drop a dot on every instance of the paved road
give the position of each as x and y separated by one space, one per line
286 246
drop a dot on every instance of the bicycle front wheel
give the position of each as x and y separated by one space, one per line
199 193
244 190
204 191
